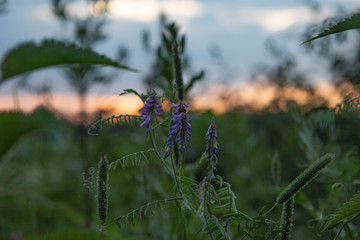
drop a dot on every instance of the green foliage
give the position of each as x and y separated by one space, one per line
72 235
275 168
130 90
352 22
161 75
202 211
135 159
194 79
30 56
141 212
23 126
347 210
348 105
111 121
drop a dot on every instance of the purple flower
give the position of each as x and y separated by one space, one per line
212 147
152 104
211 154
180 129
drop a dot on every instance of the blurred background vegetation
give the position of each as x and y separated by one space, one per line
47 160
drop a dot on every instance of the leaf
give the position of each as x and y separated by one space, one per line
130 90
347 210
18 126
142 211
194 79
347 24
134 158
30 56
120 119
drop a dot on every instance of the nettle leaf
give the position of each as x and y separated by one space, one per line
347 24
347 210
30 56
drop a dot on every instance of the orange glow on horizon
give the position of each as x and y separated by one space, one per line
68 104
254 96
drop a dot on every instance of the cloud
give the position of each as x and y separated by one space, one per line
148 10
270 19
280 19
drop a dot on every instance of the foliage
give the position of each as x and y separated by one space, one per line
194 192
30 56
353 22
347 210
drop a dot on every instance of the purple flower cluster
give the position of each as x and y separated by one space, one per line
180 129
212 146
152 104
212 150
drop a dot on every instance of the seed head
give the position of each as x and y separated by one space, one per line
287 219
102 185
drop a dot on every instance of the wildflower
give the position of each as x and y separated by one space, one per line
180 129
152 104
211 153
212 146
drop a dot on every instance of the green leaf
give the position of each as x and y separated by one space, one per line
203 156
130 90
194 79
347 210
17 126
350 23
30 56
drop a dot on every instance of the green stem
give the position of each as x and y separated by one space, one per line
345 223
158 154
206 206
271 209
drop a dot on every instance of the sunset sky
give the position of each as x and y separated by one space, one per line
238 28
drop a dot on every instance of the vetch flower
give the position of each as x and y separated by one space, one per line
180 129
211 154
152 104
212 146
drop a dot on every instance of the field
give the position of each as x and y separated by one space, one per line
288 170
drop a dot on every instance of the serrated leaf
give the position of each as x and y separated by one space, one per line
130 90
350 23
347 210
30 56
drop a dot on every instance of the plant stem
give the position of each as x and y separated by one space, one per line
158 154
345 223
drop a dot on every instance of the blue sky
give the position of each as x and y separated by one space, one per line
238 27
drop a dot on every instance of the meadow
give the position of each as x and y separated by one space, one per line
170 171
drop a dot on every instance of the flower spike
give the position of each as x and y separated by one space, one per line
180 129
152 104
212 146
